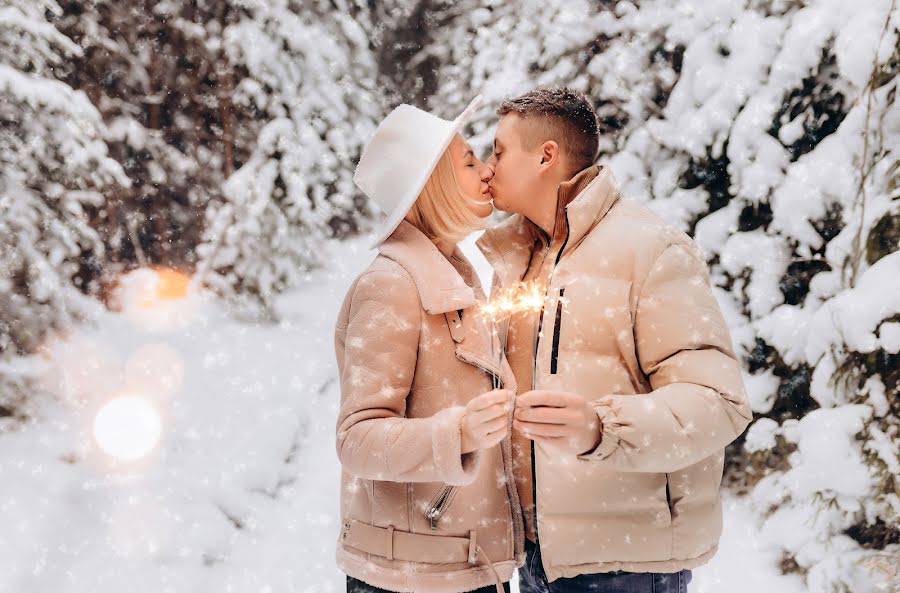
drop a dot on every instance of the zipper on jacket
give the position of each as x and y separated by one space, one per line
547 292
492 374
512 493
441 504
444 497
537 337
554 353
533 469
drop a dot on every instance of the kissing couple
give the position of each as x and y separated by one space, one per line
580 441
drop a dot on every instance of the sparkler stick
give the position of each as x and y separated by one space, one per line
534 341
493 312
532 300
519 298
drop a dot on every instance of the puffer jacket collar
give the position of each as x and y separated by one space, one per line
508 245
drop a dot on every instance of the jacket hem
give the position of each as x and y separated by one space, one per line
405 580
669 566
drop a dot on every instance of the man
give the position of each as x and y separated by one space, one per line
620 443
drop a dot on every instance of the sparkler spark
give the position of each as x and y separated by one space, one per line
519 298
522 297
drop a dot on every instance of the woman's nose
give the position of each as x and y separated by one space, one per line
487 174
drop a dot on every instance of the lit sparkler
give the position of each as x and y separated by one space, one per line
523 297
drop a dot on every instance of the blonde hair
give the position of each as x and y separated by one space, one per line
441 211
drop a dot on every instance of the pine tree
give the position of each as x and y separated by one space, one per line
53 167
310 75
157 73
764 131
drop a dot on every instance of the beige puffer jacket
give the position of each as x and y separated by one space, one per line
630 322
412 351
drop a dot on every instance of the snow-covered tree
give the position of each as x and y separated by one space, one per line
53 166
310 74
765 129
157 74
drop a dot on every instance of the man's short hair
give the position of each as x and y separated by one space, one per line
560 114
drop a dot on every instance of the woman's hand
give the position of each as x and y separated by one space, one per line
484 423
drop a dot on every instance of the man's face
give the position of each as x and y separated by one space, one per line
472 176
515 169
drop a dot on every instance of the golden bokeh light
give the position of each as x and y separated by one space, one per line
170 284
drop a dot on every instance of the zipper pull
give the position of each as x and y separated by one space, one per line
436 510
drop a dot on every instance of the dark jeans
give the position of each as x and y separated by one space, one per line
533 580
357 586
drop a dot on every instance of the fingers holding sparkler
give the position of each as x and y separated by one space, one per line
484 423
565 420
523 297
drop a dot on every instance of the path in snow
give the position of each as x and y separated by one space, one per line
241 494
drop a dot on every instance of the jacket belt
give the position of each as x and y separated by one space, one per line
389 543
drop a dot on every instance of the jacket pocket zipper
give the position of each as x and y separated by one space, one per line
476 363
554 353
440 504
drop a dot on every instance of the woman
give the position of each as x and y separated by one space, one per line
428 500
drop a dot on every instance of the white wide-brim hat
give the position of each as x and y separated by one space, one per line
399 159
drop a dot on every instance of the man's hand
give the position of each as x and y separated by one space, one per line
484 423
564 420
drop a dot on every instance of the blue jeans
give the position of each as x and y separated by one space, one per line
533 580
358 586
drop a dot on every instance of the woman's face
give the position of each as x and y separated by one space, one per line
472 175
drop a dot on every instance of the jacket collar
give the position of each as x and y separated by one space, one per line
441 287
565 194
509 245
443 290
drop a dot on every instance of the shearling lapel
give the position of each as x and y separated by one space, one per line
476 342
443 290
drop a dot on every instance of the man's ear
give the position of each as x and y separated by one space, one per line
549 154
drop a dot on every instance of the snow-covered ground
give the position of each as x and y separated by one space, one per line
240 494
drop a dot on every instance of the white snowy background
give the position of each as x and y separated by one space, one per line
241 492
767 129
